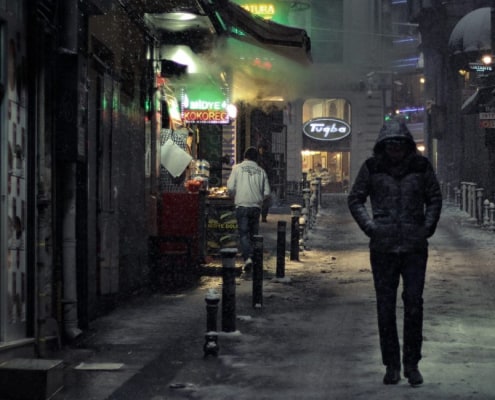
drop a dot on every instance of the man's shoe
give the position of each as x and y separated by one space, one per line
392 376
413 376
248 264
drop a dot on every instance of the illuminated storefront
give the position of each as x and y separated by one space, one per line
326 142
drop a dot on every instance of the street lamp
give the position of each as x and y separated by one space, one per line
487 59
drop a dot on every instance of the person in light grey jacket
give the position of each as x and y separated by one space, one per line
248 184
405 202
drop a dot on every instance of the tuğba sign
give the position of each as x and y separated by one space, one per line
327 129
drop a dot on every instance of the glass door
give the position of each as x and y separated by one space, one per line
332 167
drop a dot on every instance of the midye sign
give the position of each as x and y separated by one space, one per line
212 109
327 129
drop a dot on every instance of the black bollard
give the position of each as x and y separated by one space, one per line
294 234
228 289
281 233
211 336
314 197
257 271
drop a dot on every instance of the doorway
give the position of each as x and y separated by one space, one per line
332 167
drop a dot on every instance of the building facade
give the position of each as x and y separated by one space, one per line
455 35
76 186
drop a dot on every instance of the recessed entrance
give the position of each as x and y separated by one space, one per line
332 167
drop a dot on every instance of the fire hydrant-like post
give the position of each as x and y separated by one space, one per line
281 233
228 289
294 234
211 347
257 271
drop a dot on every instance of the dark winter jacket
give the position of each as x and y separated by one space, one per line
405 199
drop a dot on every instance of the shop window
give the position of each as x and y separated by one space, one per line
332 108
327 158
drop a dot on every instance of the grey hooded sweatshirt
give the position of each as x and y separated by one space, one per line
405 198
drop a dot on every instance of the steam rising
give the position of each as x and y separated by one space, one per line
258 72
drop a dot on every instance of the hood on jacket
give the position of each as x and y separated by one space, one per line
394 130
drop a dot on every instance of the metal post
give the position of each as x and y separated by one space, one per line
479 205
304 180
486 213
281 237
294 237
318 190
314 197
307 205
211 347
463 196
302 232
257 271
228 289
470 208
457 197
313 210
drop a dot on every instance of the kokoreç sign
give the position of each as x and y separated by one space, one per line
326 129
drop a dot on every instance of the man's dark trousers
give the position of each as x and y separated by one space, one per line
387 269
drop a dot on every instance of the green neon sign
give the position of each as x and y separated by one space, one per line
275 11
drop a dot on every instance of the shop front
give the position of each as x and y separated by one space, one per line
326 142
197 151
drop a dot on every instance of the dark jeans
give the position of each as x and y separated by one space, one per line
387 269
248 223
267 203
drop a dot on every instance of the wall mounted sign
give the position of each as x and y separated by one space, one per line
326 129
487 120
480 67
205 117
275 10
266 11
204 108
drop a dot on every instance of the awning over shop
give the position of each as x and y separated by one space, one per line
473 32
208 19
265 31
484 96
286 40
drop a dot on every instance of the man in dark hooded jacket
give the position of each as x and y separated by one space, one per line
406 202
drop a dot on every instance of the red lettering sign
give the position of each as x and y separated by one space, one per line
487 123
207 116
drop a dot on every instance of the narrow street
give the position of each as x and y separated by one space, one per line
315 336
